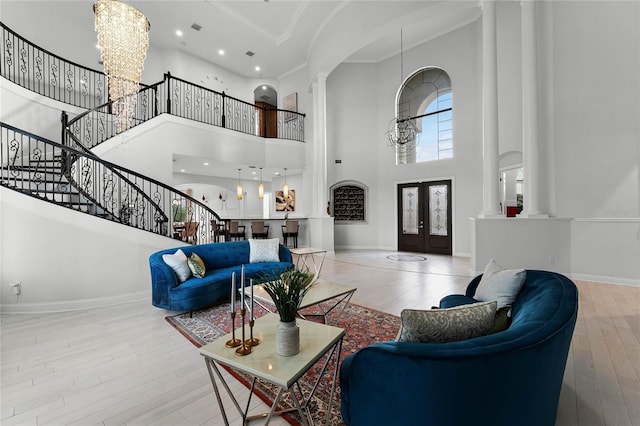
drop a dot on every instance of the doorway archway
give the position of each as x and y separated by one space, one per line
266 101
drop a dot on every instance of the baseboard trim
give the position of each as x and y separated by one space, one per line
73 305
605 280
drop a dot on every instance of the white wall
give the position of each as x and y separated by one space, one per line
522 243
361 102
69 260
596 81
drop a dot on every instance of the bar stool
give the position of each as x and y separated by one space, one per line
219 231
290 229
259 229
236 231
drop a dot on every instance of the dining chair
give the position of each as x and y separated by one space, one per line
259 229
236 231
190 232
290 229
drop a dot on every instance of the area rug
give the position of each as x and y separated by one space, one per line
363 327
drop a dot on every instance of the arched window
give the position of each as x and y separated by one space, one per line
426 97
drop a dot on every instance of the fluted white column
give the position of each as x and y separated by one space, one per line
319 87
490 198
530 142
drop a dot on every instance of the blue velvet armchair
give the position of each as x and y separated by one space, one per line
508 378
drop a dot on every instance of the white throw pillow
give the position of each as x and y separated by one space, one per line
499 284
179 263
264 250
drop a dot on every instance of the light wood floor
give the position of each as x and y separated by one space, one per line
125 365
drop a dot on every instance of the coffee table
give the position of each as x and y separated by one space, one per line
263 363
322 291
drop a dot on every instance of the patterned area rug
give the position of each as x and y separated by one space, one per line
363 326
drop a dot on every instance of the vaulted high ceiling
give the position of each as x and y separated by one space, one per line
284 35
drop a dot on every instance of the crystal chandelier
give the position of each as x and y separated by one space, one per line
123 38
402 132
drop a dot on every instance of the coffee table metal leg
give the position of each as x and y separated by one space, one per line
210 366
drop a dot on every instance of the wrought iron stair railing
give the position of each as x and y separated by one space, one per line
80 181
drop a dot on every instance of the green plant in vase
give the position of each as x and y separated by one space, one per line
287 291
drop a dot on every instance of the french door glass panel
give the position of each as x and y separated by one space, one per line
438 210
410 210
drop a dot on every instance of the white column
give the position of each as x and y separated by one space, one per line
490 202
530 142
320 223
319 86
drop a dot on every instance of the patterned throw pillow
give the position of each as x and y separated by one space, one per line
502 285
264 250
178 262
196 265
447 325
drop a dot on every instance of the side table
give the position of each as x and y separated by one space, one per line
263 363
306 259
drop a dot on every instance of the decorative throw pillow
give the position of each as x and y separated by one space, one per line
264 250
196 265
447 325
178 262
502 320
502 285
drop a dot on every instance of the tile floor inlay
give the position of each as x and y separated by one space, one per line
406 257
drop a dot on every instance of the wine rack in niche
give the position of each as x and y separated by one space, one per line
349 202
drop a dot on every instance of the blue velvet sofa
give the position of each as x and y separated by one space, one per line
512 377
221 260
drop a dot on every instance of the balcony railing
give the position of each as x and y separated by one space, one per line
47 74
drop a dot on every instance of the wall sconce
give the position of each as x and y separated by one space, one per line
285 187
239 187
261 187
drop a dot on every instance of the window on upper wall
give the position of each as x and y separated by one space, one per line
426 98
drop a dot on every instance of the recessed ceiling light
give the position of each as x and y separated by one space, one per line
179 33
277 173
257 68
253 173
220 52
205 164
182 170
264 87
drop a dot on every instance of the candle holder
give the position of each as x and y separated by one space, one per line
233 343
252 341
244 349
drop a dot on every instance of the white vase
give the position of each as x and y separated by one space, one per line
287 338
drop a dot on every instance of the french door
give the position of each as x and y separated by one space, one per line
424 217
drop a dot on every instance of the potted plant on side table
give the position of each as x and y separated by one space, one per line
287 291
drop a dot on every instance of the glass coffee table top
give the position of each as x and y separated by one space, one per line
322 291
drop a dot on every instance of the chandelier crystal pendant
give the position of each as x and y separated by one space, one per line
123 38
239 187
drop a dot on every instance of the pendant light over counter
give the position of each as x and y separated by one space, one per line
285 187
239 187
261 187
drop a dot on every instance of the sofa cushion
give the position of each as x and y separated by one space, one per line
179 263
499 284
264 250
196 265
447 325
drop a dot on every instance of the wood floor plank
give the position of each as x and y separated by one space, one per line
125 364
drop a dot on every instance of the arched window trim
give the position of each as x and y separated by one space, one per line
417 113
